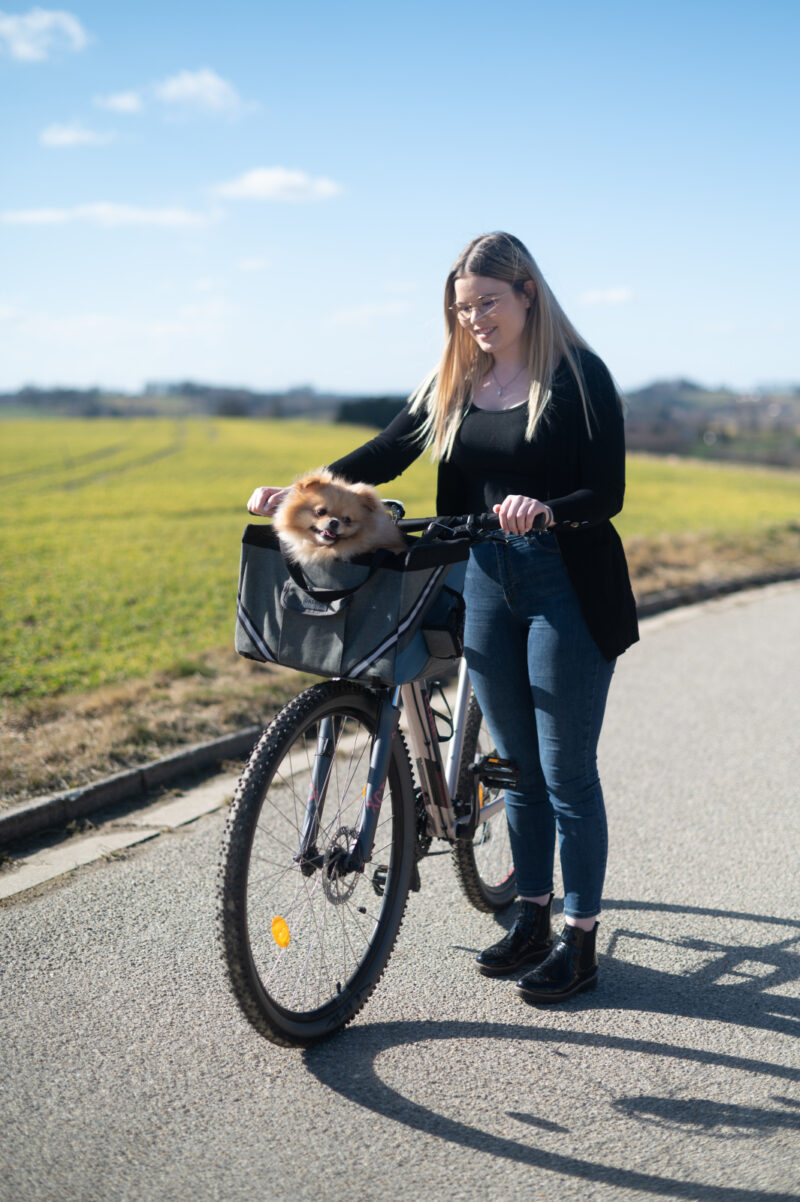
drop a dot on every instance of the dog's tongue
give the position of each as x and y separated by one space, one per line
329 535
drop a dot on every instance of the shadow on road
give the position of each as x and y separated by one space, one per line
720 1120
726 982
731 983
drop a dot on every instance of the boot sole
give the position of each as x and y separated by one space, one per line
551 999
487 971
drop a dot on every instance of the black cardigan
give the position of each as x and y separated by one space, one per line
582 479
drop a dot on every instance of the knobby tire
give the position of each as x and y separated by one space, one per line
483 864
341 931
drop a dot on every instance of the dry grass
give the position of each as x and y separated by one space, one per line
673 560
62 742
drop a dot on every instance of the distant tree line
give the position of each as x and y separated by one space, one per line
371 411
675 417
681 418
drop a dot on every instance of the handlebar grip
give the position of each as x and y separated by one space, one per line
490 521
465 525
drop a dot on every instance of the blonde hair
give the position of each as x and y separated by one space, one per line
547 338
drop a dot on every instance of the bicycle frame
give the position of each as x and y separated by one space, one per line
309 816
437 781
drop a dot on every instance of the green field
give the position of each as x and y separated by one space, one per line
120 538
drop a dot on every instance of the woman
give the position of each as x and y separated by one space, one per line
525 420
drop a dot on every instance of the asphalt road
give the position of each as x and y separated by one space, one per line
126 1072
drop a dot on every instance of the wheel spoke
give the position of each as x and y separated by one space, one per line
484 867
338 940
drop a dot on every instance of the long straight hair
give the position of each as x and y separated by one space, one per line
547 338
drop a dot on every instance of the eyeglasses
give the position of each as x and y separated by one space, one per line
483 306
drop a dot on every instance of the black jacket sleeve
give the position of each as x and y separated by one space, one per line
386 455
598 462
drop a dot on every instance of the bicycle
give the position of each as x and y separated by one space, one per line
326 831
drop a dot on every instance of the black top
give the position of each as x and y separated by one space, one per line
582 479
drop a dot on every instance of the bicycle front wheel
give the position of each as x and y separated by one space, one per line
305 946
483 865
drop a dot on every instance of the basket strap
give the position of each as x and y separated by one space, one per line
326 595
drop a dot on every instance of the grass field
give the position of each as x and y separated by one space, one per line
667 496
120 538
119 557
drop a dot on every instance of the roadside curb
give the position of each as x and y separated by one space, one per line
695 594
41 813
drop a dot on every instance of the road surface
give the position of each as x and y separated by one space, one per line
128 1074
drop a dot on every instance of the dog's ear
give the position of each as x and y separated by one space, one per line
368 497
313 480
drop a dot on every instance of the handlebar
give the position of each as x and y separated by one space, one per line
469 525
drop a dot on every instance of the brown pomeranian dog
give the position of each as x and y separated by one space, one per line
324 517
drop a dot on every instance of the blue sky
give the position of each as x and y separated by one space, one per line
271 195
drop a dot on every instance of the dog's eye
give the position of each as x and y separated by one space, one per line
320 513
347 521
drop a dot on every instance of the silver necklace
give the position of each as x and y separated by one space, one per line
508 383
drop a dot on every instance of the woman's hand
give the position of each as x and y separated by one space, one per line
266 500
517 514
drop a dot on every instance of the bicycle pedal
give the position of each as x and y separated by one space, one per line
496 773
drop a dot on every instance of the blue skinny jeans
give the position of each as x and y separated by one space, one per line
542 685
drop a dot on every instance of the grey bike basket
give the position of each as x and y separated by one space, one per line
374 632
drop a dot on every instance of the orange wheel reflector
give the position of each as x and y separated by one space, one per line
280 931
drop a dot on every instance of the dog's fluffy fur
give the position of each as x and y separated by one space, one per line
324 517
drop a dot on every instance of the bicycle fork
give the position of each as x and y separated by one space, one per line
346 860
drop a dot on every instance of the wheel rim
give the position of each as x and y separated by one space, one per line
332 922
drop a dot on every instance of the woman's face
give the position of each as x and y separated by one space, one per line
496 327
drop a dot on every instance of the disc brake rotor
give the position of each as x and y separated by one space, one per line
339 887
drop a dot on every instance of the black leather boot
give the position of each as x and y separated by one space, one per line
529 940
570 967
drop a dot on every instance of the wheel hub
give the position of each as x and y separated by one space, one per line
338 878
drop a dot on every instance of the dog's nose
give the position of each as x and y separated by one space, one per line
333 523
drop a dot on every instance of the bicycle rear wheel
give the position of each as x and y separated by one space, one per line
304 947
483 865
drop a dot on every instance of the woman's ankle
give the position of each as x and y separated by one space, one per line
585 924
542 900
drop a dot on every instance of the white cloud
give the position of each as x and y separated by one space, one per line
121 102
188 91
109 215
33 36
202 89
277 183
74 135
606 296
